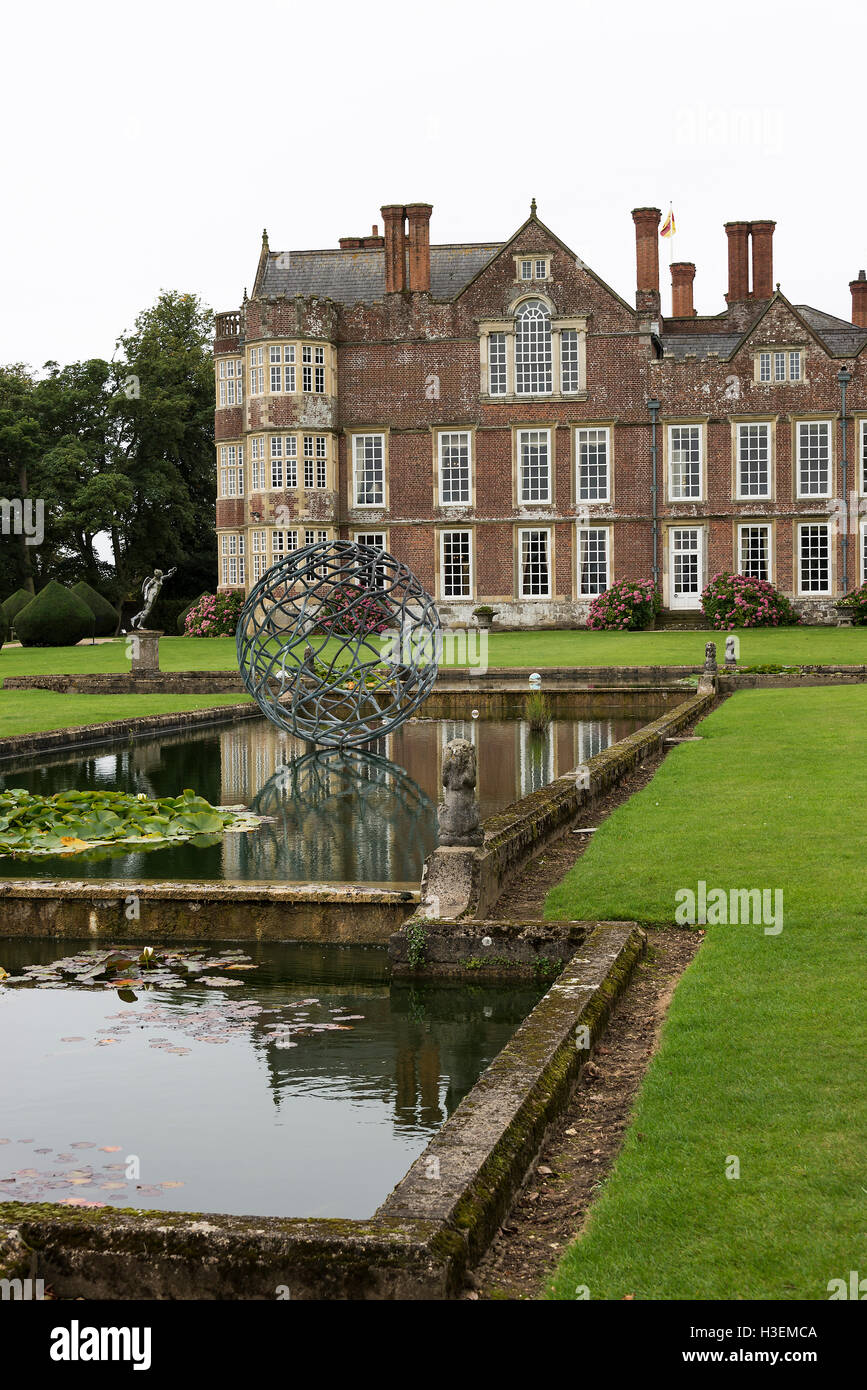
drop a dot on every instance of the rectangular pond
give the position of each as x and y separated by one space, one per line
364 817
305 1086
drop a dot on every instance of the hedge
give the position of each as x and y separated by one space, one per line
106 616
55 618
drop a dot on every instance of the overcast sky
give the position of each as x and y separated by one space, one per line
146 146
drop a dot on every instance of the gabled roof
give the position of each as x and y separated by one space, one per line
534 221
358 276
836 336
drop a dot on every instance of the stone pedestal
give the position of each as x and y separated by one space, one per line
144 651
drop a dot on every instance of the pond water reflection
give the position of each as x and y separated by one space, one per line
348 817
305 1090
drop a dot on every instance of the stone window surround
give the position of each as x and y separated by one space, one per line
771 421
814 418
583 504
298 343
372 507
534 256
592 525
239 378
770 525
531 525
578 323
436 432
439 563
299 432
674 421
796 557
542 426
758 349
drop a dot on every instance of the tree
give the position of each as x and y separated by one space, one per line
20 475
165 411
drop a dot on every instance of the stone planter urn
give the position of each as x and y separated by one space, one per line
484 616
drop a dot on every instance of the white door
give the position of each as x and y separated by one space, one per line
685 566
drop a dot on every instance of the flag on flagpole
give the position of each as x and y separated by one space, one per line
668 226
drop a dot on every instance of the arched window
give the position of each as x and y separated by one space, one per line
533 373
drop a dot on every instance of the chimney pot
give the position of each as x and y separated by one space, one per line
763 259
859 300
682 276
739 271
418 216
647 259
393 218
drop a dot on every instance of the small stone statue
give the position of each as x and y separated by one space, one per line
151 591
458 812
731 651
708 682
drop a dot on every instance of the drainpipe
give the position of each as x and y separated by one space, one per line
654 407
844 376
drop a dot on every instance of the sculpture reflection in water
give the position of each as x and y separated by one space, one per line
341 815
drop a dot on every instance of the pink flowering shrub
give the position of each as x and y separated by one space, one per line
628 605
856 600
734 600
215 615
370 614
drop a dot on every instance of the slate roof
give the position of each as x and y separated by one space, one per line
699 344
352 277
842 338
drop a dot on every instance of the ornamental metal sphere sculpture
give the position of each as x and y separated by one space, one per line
339 643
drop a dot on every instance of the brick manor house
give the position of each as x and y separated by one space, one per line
498 417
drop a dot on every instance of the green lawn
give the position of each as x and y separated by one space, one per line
780 646
31 711
763 1052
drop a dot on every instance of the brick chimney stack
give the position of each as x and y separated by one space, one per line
763 259
647 259
739 270
859 299
682 276
418 216
395 248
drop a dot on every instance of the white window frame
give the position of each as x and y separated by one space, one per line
581 441
378 485
529 531
829 435
534 352
570 361
827 528
743 527
498 385
465 438
742 427
584 534
863 550
863 457
774 366
257 464
466 535
524 438
692 496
